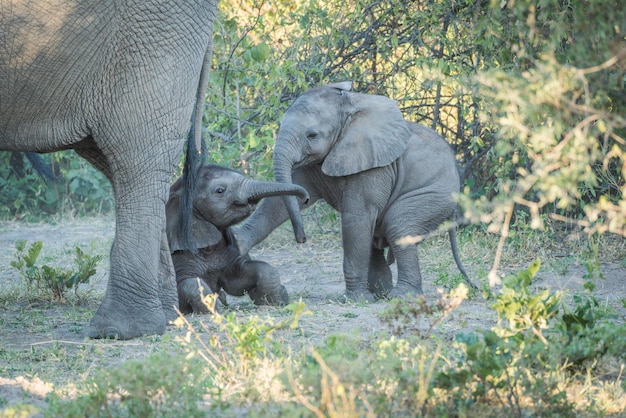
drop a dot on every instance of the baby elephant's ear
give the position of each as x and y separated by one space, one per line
203 233
341 85
375 135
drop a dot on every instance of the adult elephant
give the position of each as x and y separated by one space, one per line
390 179
117 81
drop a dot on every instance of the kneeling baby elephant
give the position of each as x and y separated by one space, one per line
224 197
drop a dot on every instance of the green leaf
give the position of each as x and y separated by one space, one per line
253 141
534 267
260 52
33 253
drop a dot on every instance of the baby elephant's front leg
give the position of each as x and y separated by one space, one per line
261 281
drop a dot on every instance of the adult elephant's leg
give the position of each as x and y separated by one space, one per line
167 279
133 304
166 275
379 280
91 153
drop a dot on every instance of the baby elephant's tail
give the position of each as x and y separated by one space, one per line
455 254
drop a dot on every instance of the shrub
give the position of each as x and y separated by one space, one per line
56 279
81 189
161 385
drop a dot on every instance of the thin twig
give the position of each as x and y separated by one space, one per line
494 280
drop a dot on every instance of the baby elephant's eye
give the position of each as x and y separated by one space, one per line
311 135
220 190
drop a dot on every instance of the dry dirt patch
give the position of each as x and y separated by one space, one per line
42 343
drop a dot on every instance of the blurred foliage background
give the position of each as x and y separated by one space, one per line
530 94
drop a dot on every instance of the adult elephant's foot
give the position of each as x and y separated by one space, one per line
114 320
404 292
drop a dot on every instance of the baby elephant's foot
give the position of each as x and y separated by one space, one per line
267 288
404 292
359 296
194 295
276 297
379 291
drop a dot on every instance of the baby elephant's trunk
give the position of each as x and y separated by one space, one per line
254 190
282 173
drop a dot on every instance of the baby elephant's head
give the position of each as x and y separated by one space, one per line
223 198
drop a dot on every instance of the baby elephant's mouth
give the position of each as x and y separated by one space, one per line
248 208
238 213
248 204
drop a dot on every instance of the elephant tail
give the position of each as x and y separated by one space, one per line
41 167
455 253
194 159
196 151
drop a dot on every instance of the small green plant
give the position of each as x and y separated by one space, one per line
448 281
522 308
249 339
56 279
592 259
590 331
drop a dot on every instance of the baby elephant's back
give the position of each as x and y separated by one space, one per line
429 161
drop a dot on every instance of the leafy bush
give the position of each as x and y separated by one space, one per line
161 385
510 362
590 331
80 190
526 356
406 316
58 280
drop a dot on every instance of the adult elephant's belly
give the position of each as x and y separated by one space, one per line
43 71
43 113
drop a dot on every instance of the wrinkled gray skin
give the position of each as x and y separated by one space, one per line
224 197
388 178
116 81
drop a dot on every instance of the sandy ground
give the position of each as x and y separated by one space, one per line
311 272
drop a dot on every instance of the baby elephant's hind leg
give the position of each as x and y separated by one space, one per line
409 275
379 281
268 289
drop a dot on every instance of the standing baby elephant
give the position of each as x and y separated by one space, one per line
390 179
223 198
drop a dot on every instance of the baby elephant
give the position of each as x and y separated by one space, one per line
224 197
